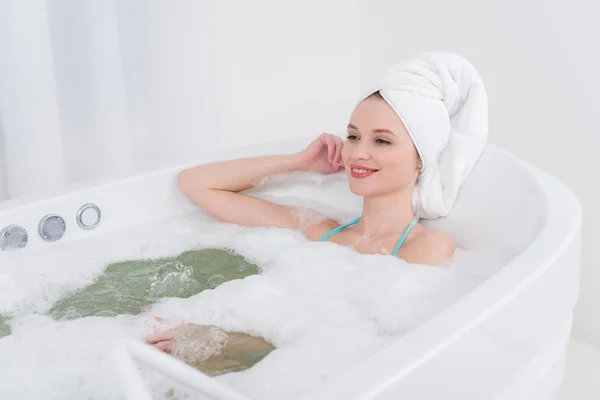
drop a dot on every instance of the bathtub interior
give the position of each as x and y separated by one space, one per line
500 206
499 211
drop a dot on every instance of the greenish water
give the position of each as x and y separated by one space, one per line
4 328
130 287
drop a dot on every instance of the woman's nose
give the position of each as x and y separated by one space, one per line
361 152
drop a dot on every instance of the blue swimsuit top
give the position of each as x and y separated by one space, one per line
398 244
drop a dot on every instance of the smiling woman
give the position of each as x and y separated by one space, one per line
400 152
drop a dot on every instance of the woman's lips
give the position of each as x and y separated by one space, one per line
358 171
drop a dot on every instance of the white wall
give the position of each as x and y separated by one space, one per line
3 191
284 69
541 64
136 85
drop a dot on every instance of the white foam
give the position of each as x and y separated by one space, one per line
324 307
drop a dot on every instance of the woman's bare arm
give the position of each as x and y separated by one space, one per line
214 188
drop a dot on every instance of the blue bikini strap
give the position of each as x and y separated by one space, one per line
338 229
404 235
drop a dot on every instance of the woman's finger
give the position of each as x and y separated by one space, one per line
165 345
337 159
160 336
330 147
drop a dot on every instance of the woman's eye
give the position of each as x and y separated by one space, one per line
352 137
382 141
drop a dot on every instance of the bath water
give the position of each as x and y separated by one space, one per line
131 287
4 328
323 306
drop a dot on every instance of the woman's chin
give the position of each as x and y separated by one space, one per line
361 189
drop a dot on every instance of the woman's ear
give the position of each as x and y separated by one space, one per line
419 169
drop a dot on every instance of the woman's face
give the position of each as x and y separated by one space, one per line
379 144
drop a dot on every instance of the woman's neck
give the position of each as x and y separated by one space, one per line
386 214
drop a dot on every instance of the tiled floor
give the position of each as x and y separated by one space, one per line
582 378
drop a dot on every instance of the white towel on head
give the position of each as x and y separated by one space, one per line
442 102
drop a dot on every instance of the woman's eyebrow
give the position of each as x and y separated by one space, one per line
383 130
378 130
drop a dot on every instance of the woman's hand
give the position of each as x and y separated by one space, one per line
164 340
190 341
324 154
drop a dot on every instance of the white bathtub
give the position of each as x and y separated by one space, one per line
504 340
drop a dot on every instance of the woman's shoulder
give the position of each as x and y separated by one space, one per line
430 248
316 230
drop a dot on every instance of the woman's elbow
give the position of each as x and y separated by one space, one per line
184 181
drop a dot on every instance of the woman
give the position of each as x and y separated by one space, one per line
377 142
420 132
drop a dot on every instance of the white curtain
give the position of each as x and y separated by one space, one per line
101 89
